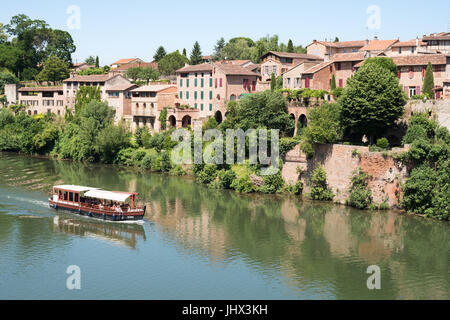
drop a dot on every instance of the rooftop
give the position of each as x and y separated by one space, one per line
293 55
125 67
124 61
420 60
153 88
91 78
410 43
236 70
342 44
318 67
437 36
204 67
343 57
41 89
379 45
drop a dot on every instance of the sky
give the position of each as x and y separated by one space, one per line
114 29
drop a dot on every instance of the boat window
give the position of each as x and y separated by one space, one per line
71 197
76 197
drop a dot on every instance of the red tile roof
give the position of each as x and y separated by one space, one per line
420 60
318 67
127 66
379 45
122 87
410 43
124 61
343 57
437 36
235 70
293 55
41 89
204 67
342 44
91 78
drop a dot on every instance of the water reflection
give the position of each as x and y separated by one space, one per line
309 246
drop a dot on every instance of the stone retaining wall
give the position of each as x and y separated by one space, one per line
340 162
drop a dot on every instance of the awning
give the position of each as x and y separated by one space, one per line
74 188
108 195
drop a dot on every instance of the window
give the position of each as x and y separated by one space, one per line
195 81
412 91
195 95
399 50
195 105
187 94
211 82
338 66
187 83
210 107
298 83
202 81
413 49
181 94
181 83
201 107
288 81
201 95
210 95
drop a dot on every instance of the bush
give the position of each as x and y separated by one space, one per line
177 171
383 143
414 132
287 144
319 186
166 163
273 181
226 178
360 195
243 185
207 175
418 190
296 189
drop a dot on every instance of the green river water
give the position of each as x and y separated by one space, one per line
198 243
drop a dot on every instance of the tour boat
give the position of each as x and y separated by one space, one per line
97 203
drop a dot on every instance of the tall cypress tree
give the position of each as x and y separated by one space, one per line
290 46
97 62
196 55
273 82
184 52
428 82
333 82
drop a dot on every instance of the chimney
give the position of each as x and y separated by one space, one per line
375 38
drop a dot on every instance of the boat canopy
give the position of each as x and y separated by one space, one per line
74 188
108 195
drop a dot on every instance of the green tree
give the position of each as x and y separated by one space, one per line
333 83
84 96
160 53
336 39
324 126
90 60
163 119
267 109
171 63
111 140
133 73
6 77
384 62
372 101
97 62
290 46
428 82
196 54
3 35
184 52
218 49
55 70
148 74
273 82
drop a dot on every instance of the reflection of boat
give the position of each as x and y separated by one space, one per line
123 233
96 203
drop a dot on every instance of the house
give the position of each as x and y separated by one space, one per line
147 102
41 100
140 64
77 67
209 87
342 66
326 50
118 96
411 72
277 63
110 86
437 42
415 46
124 61
292 79
376 47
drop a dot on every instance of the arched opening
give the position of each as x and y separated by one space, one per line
173 121
187 120
292 117
233 97
302 124
218 117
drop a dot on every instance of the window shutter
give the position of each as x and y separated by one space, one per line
418 90
221 83
341 83
254 86
216 83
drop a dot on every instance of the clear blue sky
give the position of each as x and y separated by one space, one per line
135 28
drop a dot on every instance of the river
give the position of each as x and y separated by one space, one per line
198 243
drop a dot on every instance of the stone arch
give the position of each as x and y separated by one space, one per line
302 121
186 121
173 121
218 117
233 97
